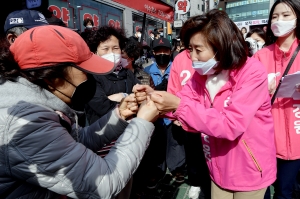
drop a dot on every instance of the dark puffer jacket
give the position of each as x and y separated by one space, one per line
107 85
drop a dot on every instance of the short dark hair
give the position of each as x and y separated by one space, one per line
258 31
104 33
221 34
132 49
295 6
86 21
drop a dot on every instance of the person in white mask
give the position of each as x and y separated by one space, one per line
108 42
89 27
228 103
255 39
283 35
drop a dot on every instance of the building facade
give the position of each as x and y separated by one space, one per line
197 7
102 12
248 14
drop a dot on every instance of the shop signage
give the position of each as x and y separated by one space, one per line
182 6
178 24
152 7
113 20
241 24
63 11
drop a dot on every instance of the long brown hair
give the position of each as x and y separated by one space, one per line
221 34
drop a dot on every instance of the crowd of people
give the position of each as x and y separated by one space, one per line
81 117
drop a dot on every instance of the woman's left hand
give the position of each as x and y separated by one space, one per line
164 101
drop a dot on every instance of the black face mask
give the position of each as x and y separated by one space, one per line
83 93
162 59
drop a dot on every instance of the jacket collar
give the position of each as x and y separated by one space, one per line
279 54
201 79
154 69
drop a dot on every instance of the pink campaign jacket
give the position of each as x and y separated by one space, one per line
181 72
285 111
237 127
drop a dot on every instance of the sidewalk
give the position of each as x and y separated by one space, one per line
167 188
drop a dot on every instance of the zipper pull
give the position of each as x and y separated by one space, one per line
211 105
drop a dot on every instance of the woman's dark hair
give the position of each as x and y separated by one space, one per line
132 49
86 21
221 34
244 29
9 69
295 7
104 33
258 31
175 43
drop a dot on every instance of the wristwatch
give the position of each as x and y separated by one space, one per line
125 95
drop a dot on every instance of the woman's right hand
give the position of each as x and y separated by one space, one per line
141 92
148 110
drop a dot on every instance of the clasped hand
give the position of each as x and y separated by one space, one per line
129 106
152 103
165 102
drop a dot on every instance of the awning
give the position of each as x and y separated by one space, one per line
154 8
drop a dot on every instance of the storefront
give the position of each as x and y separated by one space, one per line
73 12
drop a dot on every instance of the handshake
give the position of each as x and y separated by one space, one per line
147 103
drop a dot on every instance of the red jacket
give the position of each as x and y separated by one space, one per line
285 111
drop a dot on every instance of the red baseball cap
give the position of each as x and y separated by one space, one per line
45 46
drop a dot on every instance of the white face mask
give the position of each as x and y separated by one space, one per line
254 46
89 26
282 28
125 63
205 68
139 35
115 58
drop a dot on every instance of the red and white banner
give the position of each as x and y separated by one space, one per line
151 7
246 24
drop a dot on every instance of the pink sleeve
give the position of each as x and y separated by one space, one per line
174 81
234 119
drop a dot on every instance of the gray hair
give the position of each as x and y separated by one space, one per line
16 30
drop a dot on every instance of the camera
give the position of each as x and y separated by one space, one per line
253 45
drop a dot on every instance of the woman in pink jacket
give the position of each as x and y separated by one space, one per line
283 33
228 102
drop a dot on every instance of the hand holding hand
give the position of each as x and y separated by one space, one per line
164 101
128 106
141 92
148 110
